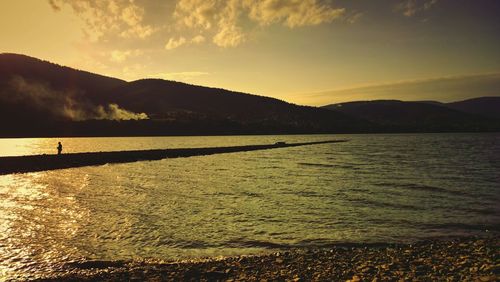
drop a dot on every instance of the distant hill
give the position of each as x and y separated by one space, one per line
425 116
56 77
485 106
33 91
39 98
160 98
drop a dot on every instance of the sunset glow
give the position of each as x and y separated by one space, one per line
311 52
249 140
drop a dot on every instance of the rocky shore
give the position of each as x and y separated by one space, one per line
458 259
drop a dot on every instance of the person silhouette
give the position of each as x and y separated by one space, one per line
59 148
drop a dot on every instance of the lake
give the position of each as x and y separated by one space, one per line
372 189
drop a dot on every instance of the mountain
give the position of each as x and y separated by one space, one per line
161 98
39 98
32 90
399 116
485 106
54 76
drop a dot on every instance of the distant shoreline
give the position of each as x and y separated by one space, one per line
241 134
458 259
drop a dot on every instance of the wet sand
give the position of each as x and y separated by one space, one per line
458 259
19 164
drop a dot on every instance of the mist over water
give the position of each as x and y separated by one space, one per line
374 188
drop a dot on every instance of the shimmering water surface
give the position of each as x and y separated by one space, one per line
374 188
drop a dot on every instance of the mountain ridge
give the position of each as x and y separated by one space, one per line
40 98
425 116
36 91
487 106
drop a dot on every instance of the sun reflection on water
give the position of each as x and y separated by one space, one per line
22 146
374 188
37 220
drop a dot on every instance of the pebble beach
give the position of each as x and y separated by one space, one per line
457 259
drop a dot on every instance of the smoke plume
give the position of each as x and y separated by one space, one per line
70 104
114 112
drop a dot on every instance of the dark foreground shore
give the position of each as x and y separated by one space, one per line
460 259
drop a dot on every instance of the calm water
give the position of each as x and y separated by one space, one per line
374 188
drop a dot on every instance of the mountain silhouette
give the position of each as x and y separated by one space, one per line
424 116
57 77
42 98
485 106
39 98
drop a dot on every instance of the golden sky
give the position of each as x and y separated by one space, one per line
313 52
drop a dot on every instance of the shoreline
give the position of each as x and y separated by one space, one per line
33 163
19 136
455 259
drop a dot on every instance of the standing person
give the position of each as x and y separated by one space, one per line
59 148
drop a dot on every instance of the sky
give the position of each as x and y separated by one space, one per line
310 52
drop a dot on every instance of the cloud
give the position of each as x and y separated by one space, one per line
229 33
105 17
179 76
138 31
229 36
119 56
216 18
130 71
444 89
174 43
54 5
411 7
292 13
196 13
353 17
198 39
227 21
131 14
